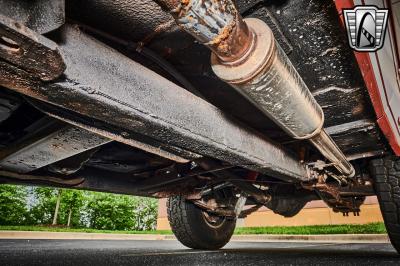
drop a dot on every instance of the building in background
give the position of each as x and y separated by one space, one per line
314 213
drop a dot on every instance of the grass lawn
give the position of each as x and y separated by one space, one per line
372 228
78 230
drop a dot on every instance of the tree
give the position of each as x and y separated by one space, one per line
72 206
13 205
75 208
120 212
55 216
112 212
145 214
45 202
69 201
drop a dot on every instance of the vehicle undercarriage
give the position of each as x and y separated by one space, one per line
122 96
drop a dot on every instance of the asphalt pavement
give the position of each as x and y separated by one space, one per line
169 252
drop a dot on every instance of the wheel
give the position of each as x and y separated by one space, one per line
197 229
386 175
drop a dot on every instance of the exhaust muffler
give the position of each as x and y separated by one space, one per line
246 55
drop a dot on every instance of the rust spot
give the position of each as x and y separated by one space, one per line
170 5
30 51
220 40
57 145
157 31
358 109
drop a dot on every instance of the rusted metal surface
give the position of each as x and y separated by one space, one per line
346 198
249 189
147 53
322 59
72 164
129 138
331 151
246 187
50 179
172 178
360 136
96 181
55 146
29 51
169 5
216 209
269 80
103 84
41 16
130 19
210 190
160 150
261 71
159 30
216 24
248 211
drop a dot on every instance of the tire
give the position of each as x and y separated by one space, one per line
191 227
386 175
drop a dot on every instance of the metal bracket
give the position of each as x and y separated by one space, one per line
120 93
50 145
226 211
29 51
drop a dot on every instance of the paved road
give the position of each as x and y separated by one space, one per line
111 252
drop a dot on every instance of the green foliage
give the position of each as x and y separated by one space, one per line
74 201
79 230
13 201
372 228
43 209
119 212
109 212
88 209
145 214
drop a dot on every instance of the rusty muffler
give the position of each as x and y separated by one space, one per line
246 55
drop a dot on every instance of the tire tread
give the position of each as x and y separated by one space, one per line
386 175
187 230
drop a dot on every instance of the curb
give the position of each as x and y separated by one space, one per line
341 238
80 236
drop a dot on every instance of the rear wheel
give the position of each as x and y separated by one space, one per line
386 174
197 229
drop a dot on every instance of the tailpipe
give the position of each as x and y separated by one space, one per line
247 56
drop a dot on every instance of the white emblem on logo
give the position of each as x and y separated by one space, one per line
366 27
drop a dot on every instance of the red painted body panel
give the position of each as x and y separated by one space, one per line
364 62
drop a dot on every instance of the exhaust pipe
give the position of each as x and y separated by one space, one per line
246 55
